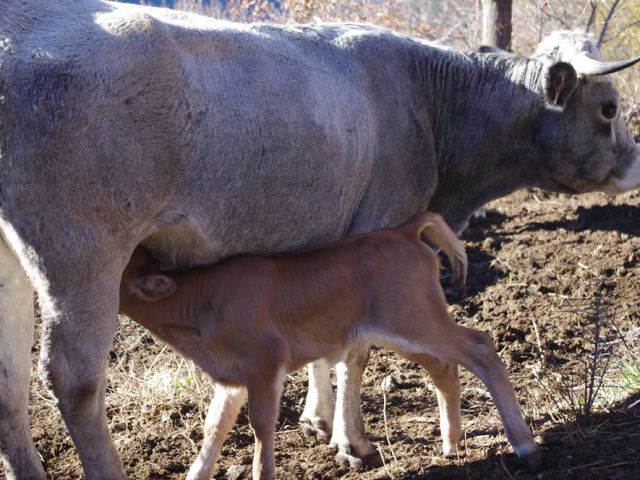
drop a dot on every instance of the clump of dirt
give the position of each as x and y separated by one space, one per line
529 258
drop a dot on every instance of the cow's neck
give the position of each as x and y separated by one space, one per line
484 111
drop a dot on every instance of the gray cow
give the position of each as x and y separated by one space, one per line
122 125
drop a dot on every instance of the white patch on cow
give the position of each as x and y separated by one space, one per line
480 213
348 429
27 261
16 339
631 178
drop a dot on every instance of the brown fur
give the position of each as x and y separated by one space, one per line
250 319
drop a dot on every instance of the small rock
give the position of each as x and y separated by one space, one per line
235 472
621 272
489 243
389 384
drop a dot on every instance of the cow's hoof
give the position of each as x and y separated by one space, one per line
530 454
533 460
315 429
367 461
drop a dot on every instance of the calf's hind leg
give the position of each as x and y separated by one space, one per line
474 350
16 338
446 379
440 337
221 416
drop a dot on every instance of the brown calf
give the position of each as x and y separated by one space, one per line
251 319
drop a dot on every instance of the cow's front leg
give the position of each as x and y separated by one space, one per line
79 322
354 449
317 418
16 338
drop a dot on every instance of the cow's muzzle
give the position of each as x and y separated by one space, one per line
630 179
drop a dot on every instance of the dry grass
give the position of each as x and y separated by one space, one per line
145 388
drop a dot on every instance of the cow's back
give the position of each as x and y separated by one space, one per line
212 137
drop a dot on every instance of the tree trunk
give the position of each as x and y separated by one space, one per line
496 23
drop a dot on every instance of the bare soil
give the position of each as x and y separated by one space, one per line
531 259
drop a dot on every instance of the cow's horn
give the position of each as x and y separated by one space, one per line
586 65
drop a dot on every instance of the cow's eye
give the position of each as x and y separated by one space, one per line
609 111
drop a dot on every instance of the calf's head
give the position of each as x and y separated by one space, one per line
586 144
142 280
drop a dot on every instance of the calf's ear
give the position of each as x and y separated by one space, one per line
561 81
154 287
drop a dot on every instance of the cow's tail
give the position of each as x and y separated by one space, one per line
438 232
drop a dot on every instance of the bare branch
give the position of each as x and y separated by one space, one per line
558 18
622 30
592 15
607 19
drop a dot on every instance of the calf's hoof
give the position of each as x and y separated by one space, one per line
317 429
450 449
346 457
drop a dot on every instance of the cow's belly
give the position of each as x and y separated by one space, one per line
272 212
272 166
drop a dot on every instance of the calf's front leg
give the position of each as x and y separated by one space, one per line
221 416
264 390
446 380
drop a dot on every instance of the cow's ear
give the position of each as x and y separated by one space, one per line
561 81
151 288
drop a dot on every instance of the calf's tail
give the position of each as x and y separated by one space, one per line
438 232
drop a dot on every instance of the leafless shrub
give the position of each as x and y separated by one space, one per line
574 388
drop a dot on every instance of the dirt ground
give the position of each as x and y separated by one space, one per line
536 260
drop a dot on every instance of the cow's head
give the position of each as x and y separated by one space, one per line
589 146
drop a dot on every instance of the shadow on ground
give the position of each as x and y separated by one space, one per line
593 447
608 218
481 272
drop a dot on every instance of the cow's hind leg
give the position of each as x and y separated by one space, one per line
317 417
16 338
446 379
354 448
222 415
79 322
